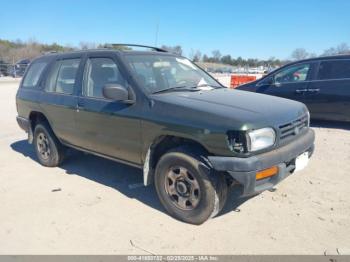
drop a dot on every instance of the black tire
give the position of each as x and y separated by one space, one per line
45 138
212 186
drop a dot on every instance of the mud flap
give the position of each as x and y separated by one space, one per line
147 169
30 134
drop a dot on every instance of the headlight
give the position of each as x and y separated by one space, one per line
261 138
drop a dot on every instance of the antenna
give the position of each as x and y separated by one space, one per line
157 31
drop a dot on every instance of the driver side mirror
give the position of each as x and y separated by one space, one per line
116 92
267 81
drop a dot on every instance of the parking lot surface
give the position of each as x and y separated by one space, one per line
90 205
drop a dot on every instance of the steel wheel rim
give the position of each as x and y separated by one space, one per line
43 146
182 188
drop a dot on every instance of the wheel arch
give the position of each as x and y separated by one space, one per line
34 118
163 144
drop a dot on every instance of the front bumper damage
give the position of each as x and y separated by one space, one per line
244 170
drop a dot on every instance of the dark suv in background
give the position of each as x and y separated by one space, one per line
3 68
322 84
160 112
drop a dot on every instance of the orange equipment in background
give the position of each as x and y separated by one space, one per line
237 80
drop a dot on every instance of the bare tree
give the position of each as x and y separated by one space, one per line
205 58
343 48
191 54
226 59
87 45
216 55
195 55
329 51
29 51
299 53
12 51
312 55
173 49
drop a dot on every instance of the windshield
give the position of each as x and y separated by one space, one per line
155 73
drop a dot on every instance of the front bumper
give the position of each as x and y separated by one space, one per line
244 170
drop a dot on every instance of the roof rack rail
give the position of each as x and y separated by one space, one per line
158 49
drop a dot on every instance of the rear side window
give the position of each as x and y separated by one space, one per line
33 75
61 78
339 69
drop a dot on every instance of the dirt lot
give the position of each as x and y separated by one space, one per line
99 207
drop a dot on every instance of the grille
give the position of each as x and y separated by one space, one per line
293 128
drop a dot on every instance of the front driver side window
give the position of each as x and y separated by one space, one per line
99 72
295 73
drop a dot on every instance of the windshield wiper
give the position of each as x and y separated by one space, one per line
177 88
213 86
186 88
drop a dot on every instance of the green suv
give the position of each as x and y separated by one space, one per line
160 112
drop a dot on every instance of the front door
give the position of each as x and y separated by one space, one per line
290 82
107 127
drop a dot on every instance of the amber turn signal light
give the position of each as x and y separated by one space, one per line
267 173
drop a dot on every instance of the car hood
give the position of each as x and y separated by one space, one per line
229 107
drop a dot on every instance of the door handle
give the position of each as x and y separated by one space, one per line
314 90
299 91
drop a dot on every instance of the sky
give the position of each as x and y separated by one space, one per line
246 28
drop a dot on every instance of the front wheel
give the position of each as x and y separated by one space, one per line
188 189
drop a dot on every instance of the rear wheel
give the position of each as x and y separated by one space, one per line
49 150
188 188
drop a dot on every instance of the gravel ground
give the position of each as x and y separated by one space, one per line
95 206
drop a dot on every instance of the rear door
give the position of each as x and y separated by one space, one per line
59 97
328 95
290 82
111 128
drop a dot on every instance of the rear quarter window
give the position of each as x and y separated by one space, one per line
32 77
